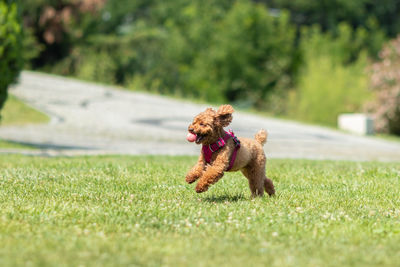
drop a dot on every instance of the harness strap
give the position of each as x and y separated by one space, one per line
237 146
208 150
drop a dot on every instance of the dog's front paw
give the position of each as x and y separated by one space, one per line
190 179
201 188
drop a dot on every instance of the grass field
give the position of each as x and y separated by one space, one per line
16 112
7 144
118 210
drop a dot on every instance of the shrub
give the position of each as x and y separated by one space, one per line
117 58
175 44
208 49
385 83
251 55
331 82
380 18
55 27
10 47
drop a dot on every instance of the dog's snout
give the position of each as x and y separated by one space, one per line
191 129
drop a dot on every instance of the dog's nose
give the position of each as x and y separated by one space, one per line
191 129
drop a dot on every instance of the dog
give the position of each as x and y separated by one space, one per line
222 151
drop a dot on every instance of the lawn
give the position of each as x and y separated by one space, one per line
16 112
119 210
15 145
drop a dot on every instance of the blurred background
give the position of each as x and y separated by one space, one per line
305 60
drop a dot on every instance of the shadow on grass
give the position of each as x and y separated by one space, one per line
225 198
33 146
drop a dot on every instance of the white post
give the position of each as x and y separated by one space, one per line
357 123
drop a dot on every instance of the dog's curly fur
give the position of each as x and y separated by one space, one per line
250 159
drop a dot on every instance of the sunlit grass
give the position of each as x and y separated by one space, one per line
139 211
16 112
14 145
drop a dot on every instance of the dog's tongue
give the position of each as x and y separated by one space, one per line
191 137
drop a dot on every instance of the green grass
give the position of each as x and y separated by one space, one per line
16 112
119 210
15 145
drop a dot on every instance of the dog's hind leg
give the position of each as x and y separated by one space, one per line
256 181
269 186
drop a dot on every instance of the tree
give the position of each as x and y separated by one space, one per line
10 46
379 18
58 26
250 56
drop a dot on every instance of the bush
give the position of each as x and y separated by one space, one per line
10 47
250 56
385 83
208 49
175 43
54 27
331 82
380 18
117 59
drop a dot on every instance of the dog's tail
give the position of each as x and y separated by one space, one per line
261 137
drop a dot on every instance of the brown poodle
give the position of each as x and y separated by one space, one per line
222 151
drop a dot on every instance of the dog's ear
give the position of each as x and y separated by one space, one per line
224 115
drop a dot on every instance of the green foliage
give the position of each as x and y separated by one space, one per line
332 82
187 35
120 211
179 37
380 18
54 27
10 47
31 48
244 52
116 58
250 55
211 50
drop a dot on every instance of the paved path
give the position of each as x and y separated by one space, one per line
90 118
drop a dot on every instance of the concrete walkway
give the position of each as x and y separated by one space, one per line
89 119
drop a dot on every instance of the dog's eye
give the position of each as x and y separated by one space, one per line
202 124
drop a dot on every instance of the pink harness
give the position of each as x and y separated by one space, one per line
209 149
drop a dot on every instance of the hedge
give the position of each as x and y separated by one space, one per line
10 46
